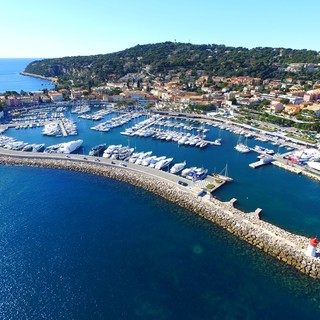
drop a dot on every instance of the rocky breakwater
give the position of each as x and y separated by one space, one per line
284 246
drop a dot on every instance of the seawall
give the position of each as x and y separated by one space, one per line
275 241
52 79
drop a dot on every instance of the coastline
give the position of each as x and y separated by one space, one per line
275 241
52 79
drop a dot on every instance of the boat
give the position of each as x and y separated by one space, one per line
155 161
38 147
125 152
95 151
66 147
176 168
142 156
200 174
197 174
314 165
70 146
163 163
27 148
242 147
266 159
146 161
110 150
203 144
187 171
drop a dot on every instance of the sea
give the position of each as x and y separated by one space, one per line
12 80
79 246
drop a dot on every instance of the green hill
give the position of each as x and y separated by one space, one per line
169 58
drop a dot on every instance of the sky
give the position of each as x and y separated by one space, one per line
49 29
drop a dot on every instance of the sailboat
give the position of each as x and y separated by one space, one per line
242 147
223 175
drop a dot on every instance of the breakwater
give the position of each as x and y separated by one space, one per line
33 75
276 242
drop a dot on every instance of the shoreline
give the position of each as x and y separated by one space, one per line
273 240
33 75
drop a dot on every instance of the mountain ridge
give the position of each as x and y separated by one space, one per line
169 58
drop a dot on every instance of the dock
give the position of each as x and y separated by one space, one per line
63 129
290 168
258 164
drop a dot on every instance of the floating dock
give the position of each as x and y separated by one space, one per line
258 164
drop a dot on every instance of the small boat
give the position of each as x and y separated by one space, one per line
176 168
163 163
96 150
186 171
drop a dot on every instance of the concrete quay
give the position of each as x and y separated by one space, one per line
282 245
63 129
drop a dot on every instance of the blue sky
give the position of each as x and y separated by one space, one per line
37 28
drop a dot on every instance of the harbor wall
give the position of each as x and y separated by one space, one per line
275 241
33 75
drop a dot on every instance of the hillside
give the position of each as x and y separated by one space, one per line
168 58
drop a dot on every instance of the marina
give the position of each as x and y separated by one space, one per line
126 151
66 256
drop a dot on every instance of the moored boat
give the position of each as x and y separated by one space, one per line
96 150
177 167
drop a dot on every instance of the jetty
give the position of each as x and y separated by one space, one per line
63 129
259 163
288 167
279 243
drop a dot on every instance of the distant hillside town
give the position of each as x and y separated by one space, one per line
168 78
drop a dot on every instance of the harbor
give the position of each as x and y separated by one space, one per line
210 160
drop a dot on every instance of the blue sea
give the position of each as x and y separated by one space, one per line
78 246
12 80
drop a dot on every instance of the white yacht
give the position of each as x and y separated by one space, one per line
187 170
66 147
155 161
242 148
163 163
176 168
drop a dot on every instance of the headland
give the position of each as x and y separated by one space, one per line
282 245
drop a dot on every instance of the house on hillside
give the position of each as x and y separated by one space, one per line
276 107
292 109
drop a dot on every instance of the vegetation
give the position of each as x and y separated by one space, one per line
169 58
199 108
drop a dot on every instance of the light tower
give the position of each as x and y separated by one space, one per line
312 247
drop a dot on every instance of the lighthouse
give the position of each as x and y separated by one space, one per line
312 247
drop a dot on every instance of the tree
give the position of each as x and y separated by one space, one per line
284 100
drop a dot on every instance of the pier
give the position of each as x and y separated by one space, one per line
288 167
258 164
282 245
63 129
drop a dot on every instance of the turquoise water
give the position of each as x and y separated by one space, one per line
11 80
77 246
